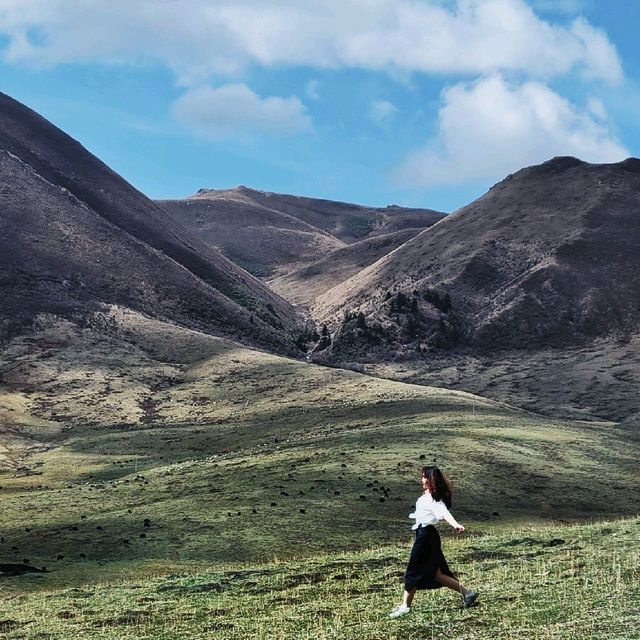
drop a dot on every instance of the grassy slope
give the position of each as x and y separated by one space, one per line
543 583
195 433
591 382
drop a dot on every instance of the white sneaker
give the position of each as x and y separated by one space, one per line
400 610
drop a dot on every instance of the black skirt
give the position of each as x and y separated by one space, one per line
425 560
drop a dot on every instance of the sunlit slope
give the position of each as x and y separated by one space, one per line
233 454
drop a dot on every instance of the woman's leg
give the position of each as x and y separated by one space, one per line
405 606
451 583
407 597
414 569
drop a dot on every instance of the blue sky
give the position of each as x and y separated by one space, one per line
412 102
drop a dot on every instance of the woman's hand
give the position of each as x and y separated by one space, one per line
460 529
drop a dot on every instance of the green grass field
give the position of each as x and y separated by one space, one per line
160 467
543 582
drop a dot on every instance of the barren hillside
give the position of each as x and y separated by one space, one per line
265 242
549 256
344 220
272 235
546 262
308 283
75 235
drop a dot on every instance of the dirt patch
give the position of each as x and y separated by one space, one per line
127 618
305 578
66 615
207 587
10 625
527 541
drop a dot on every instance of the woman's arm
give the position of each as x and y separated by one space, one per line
444 513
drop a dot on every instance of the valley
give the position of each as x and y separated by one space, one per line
217 445
214 410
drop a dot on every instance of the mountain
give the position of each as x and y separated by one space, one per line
76 235
347 222
272 234
546 261
264 241
548 256
308 283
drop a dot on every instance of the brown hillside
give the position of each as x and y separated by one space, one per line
263 241
305 285
75 234
345 221
547 260
548 256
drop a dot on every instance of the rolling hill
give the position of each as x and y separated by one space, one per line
176 484
207 439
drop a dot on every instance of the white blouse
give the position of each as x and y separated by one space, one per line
428 511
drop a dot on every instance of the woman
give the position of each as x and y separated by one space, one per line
427 568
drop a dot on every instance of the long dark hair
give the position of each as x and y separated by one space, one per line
438 486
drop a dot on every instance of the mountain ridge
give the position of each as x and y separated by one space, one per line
213 289
273 235
546 262
325 214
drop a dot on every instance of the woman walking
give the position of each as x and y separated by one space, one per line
427 568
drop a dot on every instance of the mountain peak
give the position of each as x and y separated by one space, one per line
98 241
630 164
552 167
563 162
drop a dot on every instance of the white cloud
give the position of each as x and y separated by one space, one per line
312 90
201 39
595 106
561 6
600 58
381 111
207 42
489 128
235 110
